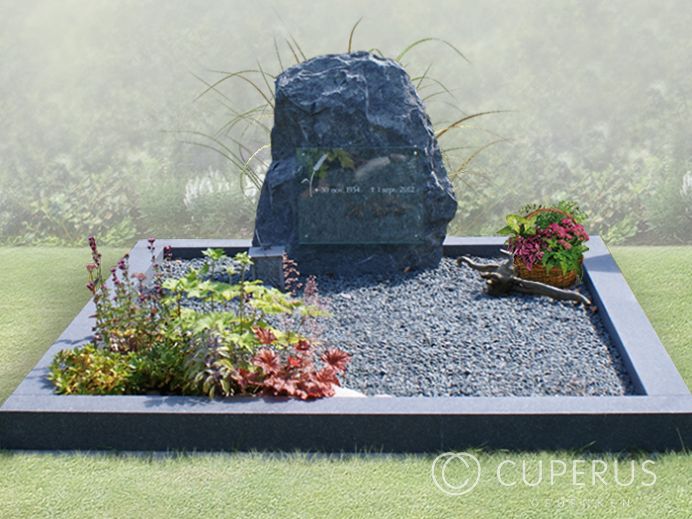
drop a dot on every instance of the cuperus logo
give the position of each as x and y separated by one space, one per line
456 473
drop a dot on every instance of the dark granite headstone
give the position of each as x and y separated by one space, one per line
357 182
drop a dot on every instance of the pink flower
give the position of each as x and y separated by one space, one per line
558 230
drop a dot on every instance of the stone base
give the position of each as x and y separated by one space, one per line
374 259
268 265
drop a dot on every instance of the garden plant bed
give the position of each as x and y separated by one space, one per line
655 415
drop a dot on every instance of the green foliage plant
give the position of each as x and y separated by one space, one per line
77 201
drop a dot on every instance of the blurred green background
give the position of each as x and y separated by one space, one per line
94 95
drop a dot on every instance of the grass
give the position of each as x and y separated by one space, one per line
296 485
41 291
661 278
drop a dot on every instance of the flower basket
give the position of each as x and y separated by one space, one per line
554 276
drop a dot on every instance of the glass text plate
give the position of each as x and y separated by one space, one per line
361 196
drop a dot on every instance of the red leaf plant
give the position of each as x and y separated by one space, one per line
336 359
264 335
295 374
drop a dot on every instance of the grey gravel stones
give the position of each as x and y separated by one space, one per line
435 333
178 268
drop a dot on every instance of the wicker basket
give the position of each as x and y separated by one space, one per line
555 276
538 273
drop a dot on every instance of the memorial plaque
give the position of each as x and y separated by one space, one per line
360 196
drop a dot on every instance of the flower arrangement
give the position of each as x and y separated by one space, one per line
546 238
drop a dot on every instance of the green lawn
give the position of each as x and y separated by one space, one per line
36 485
661 278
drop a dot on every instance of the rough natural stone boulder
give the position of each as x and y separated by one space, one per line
353 102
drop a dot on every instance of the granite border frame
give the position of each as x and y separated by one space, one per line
657 418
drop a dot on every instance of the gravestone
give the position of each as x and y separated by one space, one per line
357 182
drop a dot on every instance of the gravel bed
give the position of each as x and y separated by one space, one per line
435 333
178 268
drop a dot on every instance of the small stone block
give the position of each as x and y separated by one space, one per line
268 265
